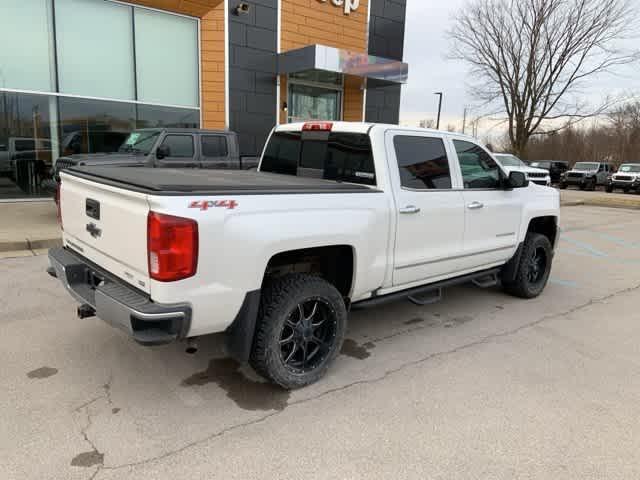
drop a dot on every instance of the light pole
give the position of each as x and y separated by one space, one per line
439 109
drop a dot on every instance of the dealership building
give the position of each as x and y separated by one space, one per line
76 76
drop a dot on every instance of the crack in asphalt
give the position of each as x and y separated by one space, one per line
94 453
482 341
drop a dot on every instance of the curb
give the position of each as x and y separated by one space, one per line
28 244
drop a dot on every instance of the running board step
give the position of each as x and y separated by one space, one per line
430 293
426 298
487 281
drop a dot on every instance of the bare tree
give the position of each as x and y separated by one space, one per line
531 57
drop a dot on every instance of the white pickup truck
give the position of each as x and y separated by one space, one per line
338 216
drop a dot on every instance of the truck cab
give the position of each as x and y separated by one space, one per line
168 148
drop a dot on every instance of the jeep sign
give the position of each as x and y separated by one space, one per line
349 5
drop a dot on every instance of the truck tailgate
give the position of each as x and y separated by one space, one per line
108 226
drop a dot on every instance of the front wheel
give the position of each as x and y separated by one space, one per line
609 189
562 185
534 268
301 326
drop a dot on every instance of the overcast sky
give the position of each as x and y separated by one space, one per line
426 46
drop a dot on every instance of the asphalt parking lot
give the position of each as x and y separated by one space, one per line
481 385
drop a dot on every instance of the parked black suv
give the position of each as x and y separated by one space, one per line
556 168
169 148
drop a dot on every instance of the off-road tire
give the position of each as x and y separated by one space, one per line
280 297
522 286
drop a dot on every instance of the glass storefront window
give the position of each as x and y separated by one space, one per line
95 58
90 126
313 103
151 116
25 144
167 69
26 45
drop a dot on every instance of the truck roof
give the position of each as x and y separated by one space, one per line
185 130
363 127
177 182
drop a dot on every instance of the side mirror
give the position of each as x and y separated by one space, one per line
517 180
163 151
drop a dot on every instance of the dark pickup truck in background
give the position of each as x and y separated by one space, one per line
169 148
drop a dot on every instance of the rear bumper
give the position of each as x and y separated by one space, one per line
117 303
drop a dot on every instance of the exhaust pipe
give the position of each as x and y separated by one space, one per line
85 311
192 346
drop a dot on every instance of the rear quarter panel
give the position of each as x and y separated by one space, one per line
236 244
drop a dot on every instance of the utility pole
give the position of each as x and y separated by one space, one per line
464 121
439 109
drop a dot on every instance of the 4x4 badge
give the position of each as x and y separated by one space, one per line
207 204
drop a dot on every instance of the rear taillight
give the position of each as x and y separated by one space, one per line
172 247
317 127
58 200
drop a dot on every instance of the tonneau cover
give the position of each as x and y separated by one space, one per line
171 181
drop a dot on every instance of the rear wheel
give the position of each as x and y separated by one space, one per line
301 327
534 267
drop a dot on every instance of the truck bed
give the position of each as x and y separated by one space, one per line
176 182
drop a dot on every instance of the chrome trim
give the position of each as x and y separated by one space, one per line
455 257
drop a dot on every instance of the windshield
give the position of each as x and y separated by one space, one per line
586 166
510 160
630 168
541 164
140 142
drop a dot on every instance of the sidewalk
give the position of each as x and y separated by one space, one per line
28 227
599 199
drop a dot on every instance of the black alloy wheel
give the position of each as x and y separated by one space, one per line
307 335
300 328
537 265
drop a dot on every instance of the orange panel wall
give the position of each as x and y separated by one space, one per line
309 22
212 68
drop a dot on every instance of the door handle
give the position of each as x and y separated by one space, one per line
409 209
475 206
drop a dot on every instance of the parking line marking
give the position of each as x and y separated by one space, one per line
564 283
585 246
617 240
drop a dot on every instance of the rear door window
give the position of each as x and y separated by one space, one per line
214 146
339 156
423 162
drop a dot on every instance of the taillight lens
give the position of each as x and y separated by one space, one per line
172 246
58 200
317 127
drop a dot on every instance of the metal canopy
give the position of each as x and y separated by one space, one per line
321 57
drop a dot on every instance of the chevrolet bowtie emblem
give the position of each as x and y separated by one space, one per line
94 230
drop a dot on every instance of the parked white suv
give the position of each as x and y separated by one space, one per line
511 163
338 216
627 178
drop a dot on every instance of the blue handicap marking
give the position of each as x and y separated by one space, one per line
584 246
